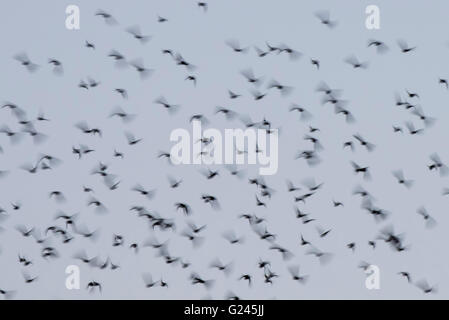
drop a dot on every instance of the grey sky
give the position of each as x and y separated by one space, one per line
38 28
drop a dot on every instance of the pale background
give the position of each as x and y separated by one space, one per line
38 27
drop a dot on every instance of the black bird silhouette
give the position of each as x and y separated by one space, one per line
249 75
360 169
132 140
185 208
180 61
444 82
26 62
285 90
203 5
425 287
137 34
235 46
58 69
406 275
292 53
107 17
369 146
323 257
437 165
161 19
171 108
294 272
380 46
399 175
143 72
90 45
92 285
355 63
430 222
324 17
405 48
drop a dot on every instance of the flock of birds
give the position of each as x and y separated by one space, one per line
180 222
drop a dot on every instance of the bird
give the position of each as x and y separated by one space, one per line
315 62
444 82
148 280
337 203
355 63
412 129
305 115
23 59
430 222
29 279
250 77
322 232
107 17
369 146
351 246
225 268
424 286
405 275
141 190
324 17
362 170
323 257
261 53
380 46
258 95
58 69
185 208
143 71
89 45
399 175
291 187
246 277
292 53
191 78
437 165
203 5
304 242
137 34
235 46
119 59
285 90
92 285
132 140
405 48
171 108
232 238
161 19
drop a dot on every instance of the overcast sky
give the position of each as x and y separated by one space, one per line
38 28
